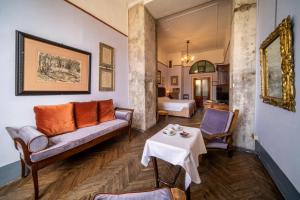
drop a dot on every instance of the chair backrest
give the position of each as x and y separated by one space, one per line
216 121
162 194
233 121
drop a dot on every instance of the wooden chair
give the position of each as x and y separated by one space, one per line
162 113
161 193
217 129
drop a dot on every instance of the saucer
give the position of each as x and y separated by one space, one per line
184 134
169 133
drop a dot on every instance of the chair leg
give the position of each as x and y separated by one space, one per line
34 172
23 168
230 151
188 193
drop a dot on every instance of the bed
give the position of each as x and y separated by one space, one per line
175 107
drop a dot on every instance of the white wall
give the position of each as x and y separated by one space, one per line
278 130
58 21
175 71
162 56
112 12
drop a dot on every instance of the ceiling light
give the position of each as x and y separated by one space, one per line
187 58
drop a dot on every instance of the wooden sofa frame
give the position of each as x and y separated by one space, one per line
35 166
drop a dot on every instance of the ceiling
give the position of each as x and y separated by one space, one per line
162 8
205 23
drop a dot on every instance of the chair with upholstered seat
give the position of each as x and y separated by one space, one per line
161 194
217 129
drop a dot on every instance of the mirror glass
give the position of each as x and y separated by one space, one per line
274 76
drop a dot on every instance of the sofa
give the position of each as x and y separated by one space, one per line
37 150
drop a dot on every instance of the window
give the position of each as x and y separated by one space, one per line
202 66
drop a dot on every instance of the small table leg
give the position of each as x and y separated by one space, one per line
154 162
188 193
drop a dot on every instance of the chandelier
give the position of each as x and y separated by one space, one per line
187 58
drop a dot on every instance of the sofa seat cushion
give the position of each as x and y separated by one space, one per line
65 142
161 194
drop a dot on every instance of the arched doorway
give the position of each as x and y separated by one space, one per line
201 85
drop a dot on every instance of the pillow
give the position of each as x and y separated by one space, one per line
106 110
85 114
35 140
55 119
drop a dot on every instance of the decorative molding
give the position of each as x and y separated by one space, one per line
67 1
282 182
191 10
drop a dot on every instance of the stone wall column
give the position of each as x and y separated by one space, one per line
242 70
142 67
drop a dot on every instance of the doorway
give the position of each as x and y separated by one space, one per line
201 90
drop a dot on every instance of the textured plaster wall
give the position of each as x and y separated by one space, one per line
150 69
142 66
242 70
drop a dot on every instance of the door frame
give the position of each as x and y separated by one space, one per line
202 77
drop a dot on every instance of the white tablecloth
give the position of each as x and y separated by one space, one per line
177 151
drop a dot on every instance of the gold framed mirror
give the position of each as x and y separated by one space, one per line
277 67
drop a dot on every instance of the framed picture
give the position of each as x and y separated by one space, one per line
106 56
174 80
106 79
44 67
158 77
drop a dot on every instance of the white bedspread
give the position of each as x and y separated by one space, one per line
177 151
165 103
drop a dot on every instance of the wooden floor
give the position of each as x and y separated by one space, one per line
114 166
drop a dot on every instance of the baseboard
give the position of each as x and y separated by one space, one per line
287 189
9 173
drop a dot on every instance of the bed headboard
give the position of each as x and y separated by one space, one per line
161 92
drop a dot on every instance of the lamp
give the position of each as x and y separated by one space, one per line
187 58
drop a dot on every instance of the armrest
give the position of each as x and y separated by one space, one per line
127 109
213 136
124 113
33 139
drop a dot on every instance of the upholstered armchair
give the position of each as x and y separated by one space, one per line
158 194
217 129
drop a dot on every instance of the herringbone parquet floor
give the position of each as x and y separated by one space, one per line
114 166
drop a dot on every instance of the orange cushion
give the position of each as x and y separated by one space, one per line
106 110
85 114
55 119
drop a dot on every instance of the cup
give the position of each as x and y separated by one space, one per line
177 127
168 131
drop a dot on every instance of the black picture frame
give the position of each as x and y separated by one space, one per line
19 66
